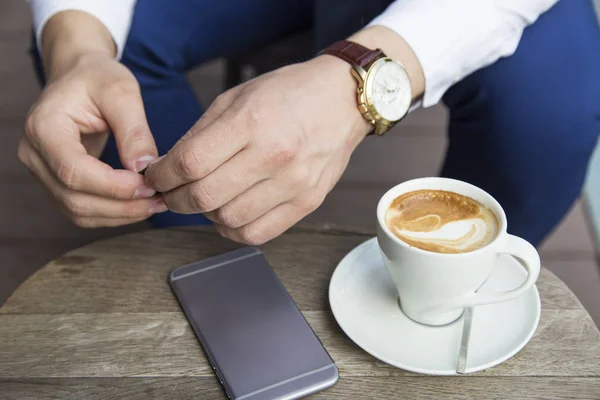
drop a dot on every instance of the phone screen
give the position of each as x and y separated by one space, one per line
253 333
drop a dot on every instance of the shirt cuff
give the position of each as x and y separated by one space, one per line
114 14
453 38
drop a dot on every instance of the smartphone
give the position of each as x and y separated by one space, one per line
255 337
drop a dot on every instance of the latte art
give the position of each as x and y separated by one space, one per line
441 221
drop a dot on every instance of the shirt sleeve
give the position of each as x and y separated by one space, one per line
453 38
114 14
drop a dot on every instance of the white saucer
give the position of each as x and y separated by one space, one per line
363 299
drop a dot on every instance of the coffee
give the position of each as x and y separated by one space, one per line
441 221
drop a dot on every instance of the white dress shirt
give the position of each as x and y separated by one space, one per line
451 38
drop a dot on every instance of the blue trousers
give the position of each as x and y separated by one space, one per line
522 129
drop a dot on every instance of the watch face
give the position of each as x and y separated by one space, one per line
389 90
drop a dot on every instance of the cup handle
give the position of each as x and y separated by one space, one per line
530 258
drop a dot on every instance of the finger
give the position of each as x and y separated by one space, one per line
123 109
87 222
200 154
274 222
252 204
267 227
217 107
215 190
83 205
58 143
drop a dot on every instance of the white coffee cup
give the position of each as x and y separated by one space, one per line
435 288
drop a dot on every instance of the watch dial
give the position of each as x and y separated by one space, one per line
390 90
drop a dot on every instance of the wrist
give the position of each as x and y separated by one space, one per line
70 36
339 83
394 46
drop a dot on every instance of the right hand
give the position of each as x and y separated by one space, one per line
66 131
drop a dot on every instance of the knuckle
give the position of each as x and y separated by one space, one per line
123 87
300 177
23 153
67 174
137 134
188 164
220 101
32 126
119 188
78 221
201 199
252 236
132 211
282 152
255 116
118 192
83 222
310 202
229 217
75 207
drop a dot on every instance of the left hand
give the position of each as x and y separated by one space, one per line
266 153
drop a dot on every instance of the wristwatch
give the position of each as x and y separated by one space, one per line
384 91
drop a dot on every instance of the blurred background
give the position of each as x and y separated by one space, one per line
33 231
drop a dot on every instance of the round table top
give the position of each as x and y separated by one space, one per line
101 321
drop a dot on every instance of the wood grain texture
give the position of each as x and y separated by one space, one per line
101 322
566 343
406 387
129 273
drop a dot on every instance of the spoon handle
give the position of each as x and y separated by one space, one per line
464 342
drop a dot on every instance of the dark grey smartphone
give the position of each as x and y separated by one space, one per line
254 335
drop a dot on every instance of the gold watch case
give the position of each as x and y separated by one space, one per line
365 102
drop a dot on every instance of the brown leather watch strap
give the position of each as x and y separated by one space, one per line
353 53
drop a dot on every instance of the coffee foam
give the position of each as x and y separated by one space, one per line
441 221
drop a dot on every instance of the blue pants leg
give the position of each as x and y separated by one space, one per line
524 128
165 41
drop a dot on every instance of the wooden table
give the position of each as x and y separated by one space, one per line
101 322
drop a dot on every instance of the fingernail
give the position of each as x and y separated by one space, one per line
143 192
143 162
159 207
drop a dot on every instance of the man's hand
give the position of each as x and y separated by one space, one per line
265 154
88 94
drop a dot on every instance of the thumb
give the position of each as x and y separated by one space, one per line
124 113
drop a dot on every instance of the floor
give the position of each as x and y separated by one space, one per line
33 232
